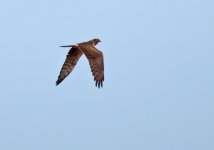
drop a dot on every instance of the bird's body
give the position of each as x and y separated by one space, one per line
94 56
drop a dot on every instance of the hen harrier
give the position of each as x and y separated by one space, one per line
94 56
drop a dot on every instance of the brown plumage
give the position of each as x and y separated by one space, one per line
94 56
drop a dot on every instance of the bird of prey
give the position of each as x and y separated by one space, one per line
94 56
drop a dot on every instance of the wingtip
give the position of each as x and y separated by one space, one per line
99 84
58 82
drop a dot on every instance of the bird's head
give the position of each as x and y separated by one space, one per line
95 41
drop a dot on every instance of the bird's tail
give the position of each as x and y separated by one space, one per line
68 46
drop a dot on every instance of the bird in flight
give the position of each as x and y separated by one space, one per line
94 56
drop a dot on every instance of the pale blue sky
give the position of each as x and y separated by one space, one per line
159 78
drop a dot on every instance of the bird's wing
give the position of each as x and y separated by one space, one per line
71 60
96 62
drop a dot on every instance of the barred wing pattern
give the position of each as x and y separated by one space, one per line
71 60
96 62
97 69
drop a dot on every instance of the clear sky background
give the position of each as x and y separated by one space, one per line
159 75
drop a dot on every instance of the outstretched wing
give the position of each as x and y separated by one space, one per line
71 60
96 62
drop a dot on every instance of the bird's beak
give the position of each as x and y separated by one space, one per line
67 46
